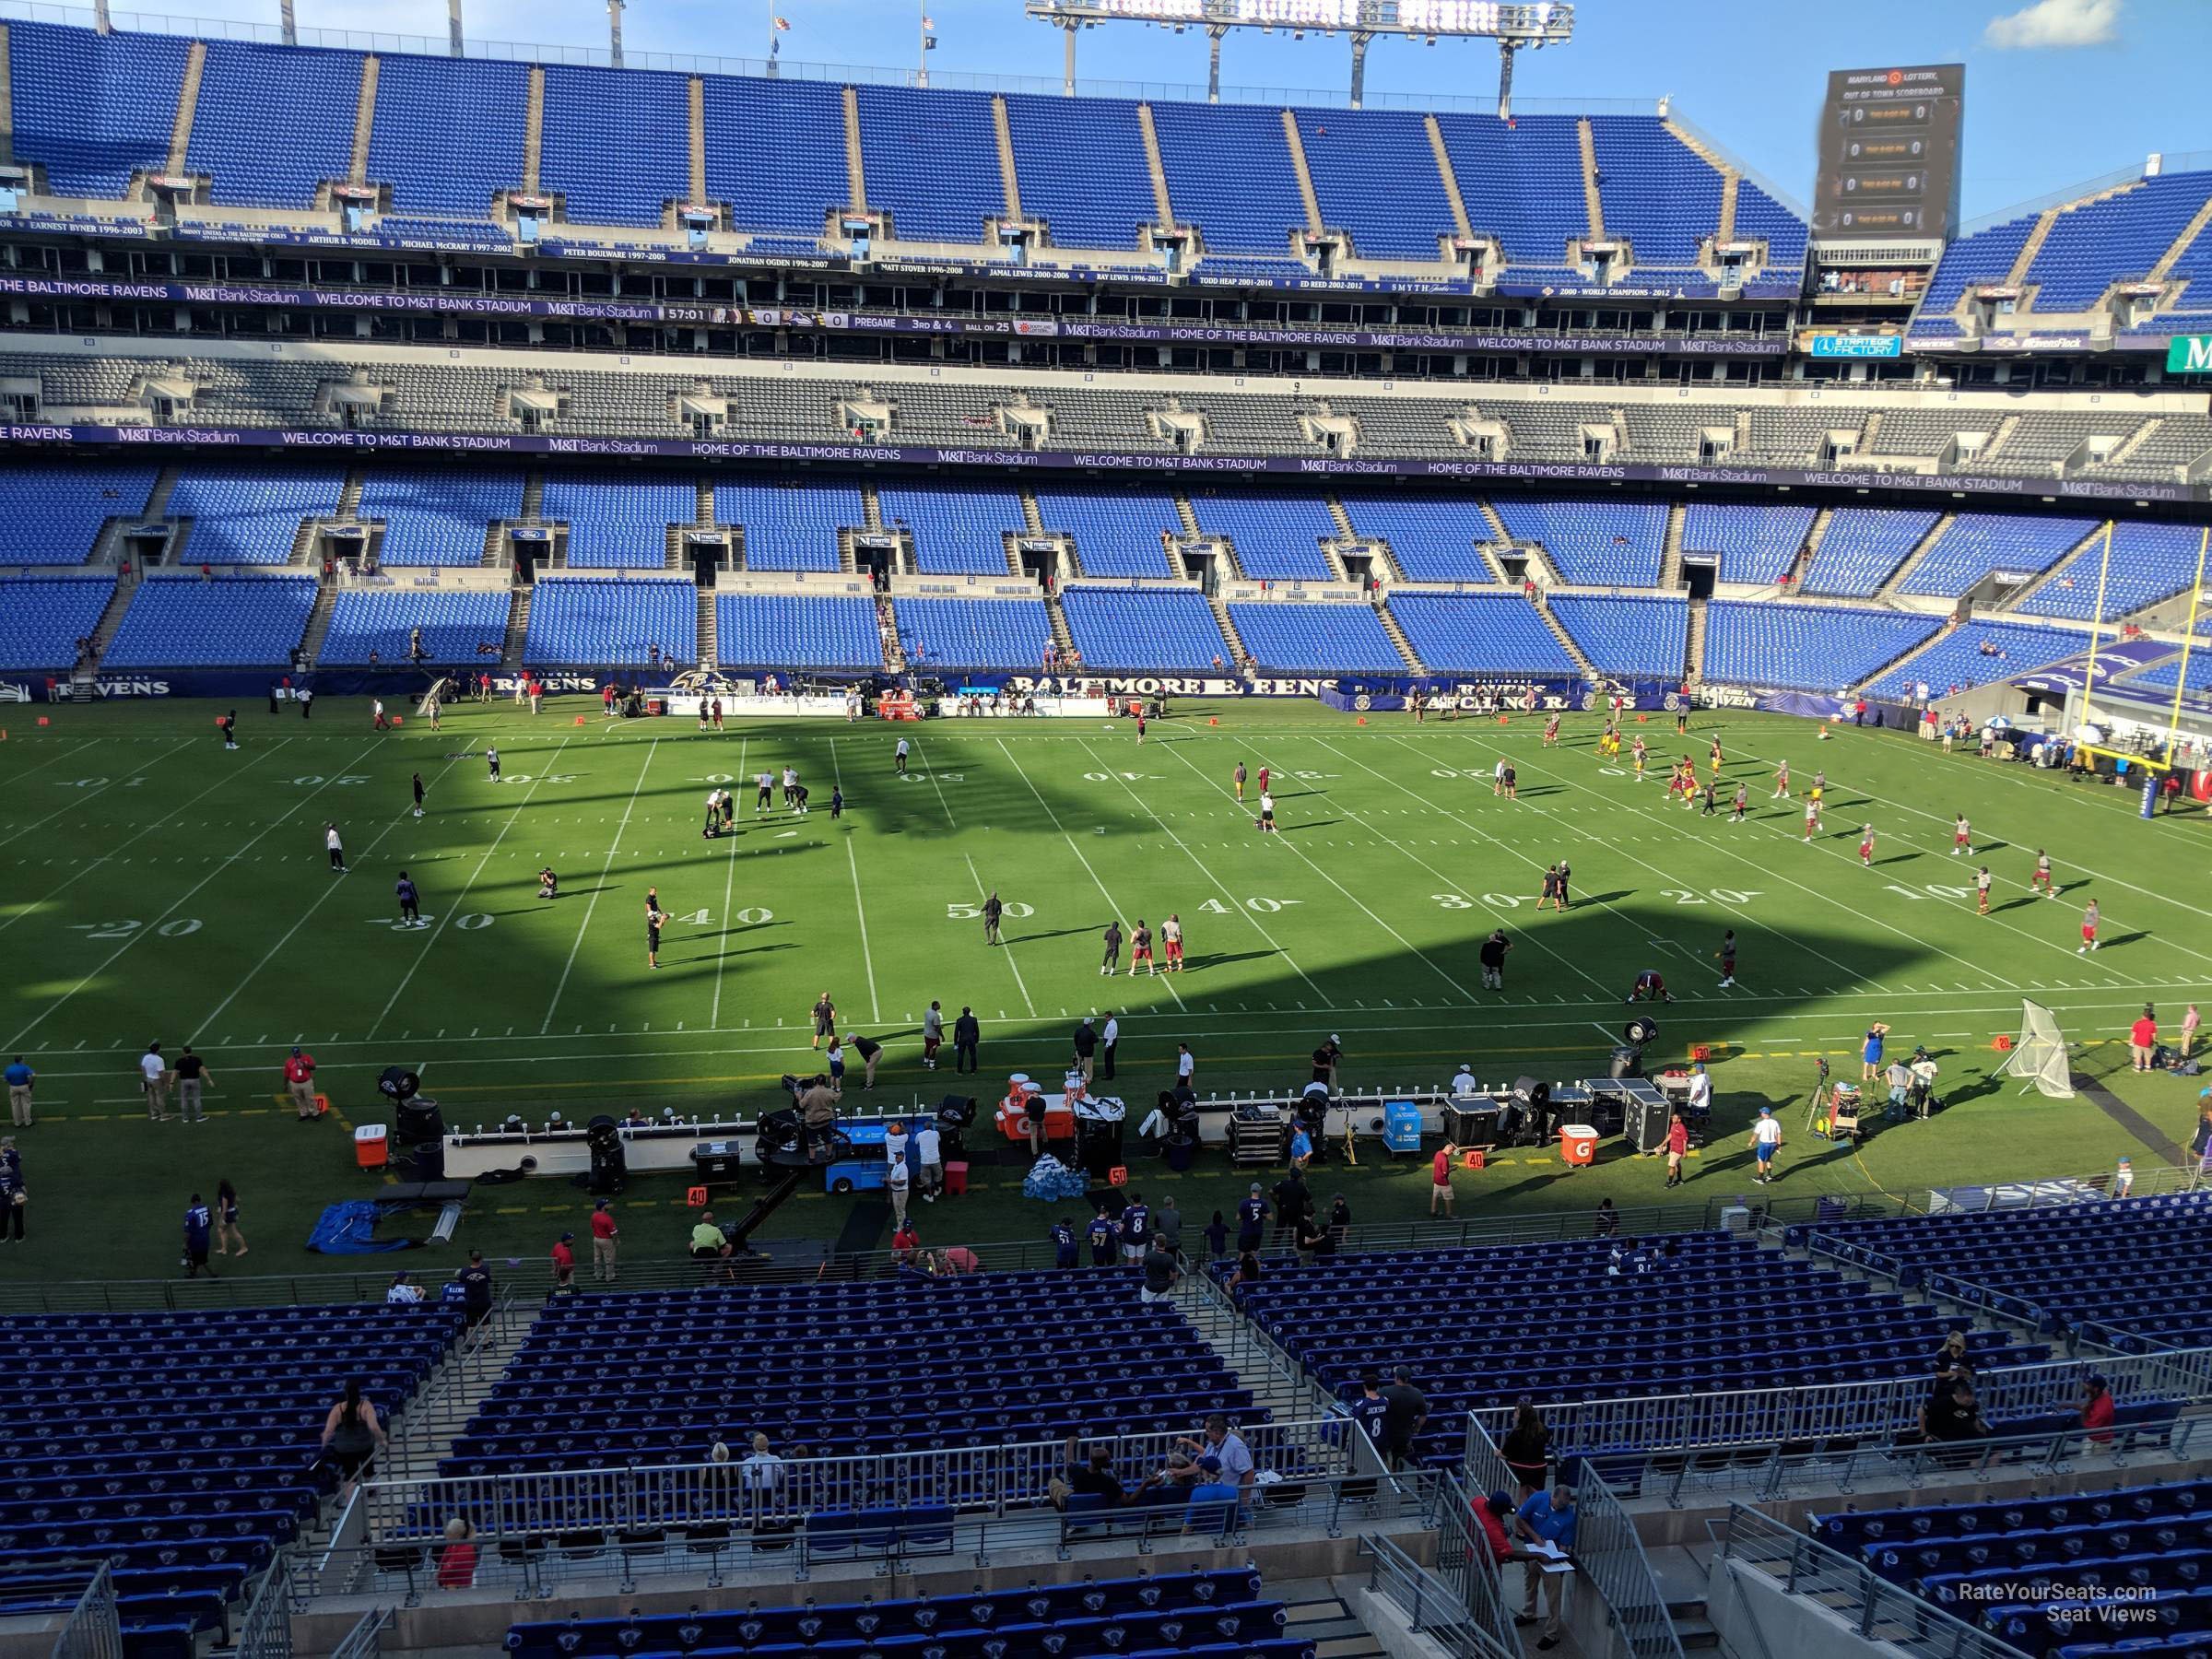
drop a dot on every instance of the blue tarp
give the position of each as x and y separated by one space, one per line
349 1228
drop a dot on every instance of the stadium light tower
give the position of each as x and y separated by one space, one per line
614 31
452 29
291 23
1514 27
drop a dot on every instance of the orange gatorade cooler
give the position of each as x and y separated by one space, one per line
1577 1144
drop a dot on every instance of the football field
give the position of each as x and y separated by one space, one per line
154 886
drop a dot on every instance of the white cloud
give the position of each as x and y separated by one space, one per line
2057 23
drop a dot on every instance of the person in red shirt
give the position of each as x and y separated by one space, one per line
457 1556
959 1259
2096 1409
1262 779
1440 1177
905 1241
299 1082
1677 1143
1490 1513
2143 1037
604 1233
564 1264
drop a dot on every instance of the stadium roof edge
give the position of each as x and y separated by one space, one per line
353 40
2169 163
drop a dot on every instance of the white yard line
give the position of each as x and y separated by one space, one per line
467 888
1458 985
1167 981
88 794
321 898
729 881
1206 870
215 870
860 907
605 870
106 857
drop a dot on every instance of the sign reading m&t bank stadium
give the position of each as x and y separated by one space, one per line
2189 354
1889 153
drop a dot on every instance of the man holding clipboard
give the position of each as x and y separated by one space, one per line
1545 1525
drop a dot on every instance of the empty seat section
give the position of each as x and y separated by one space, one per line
1080 162
2150 562
440 233
250 514
616 143
797 630
1434 539
1145 630
1970 261
1759 216
1522 185
1479 633
1978 544
931 158
599 621
1594 544
1753 545
421 104
654 1375
2116 240
957 532
382 621
1278 538
618 522
273 122
790 526
1976 654
439 516
1862 546
1229 172
776 152
1331 639
1658 194
1681 1325
973 633
1117 533
1348 151
51 512
42 618
232 622
1811 648
1628 636
94 108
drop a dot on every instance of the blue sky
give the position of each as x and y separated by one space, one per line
2089 87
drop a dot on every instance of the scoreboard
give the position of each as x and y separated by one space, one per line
1890 154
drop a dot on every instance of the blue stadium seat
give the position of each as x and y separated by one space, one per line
931 158
439 516
1623 636
1521 184
420 104
1754 545
42 618
453 624
1975 653
51 512
2149 563
1348 151
618 521
1081 165
1229 172
1278 538
1970 261
1862 546
1479 633
1005 634
616 143
790 525
1804 647
1145 630
243 621
95 109
1594 544
1323 637
247 514
273 122
2114 239
1979 542
604 622
797 630
1656 192
958 530
1117 533
1434 539
776 152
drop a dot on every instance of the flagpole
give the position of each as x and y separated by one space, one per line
772 42
921 53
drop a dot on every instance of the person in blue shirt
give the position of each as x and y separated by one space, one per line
1367 1407
19 1079
1063 1244
1252 1219
1547 1518
1136 1228
1301 1146
199 1226
1100 1233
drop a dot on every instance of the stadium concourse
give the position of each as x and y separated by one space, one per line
728 603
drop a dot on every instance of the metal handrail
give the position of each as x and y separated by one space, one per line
1846 1589
93 1627
1609 1554
366 1639
265 1628
1429 1606
1463 1559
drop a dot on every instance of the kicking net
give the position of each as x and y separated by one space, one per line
2039 1057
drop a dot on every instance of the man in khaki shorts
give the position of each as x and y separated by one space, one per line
153 1078
299 1082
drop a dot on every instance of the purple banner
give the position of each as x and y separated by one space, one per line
784 317
911 454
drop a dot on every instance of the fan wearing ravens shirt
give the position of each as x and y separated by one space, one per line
1063 1244
1100 1233
1369 1409
1136 1228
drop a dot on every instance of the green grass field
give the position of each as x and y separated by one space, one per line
158 887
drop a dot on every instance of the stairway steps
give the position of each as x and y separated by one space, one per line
188 101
